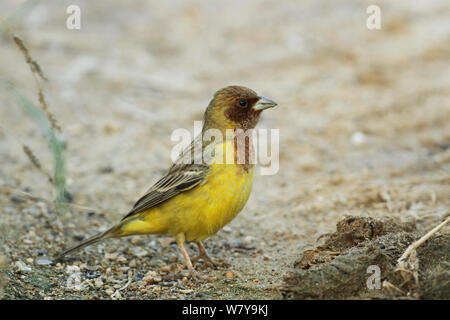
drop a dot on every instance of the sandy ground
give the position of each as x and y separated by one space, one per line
363 118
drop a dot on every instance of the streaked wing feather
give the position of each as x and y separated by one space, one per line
180 177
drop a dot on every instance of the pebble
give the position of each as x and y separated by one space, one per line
153 244
91 274
44 261
109 291
132 263
152 279
165 269
151 273
138 277
121 259
185 291
229 275
116 295
173 258
227 229
248 239
40 252
358 138
136 240
106 169
16 198
138 252
22 267
98 282
111 256
72 269
30 260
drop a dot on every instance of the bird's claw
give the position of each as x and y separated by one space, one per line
207 260
197 276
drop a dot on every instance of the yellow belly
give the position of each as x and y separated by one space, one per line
201 212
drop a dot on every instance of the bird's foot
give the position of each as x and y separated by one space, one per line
207 259
198 276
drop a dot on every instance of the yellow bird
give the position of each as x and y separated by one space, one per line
195 199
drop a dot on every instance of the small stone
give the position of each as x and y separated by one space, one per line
151 279
136 240
248 239
91 274
132 263
121 259
98 282
266 257
40 252
173 258
72 269
106 169
30 260
226 229
151 273
16 198
138 277
229 275
43 261
22 267
116 295
139 253
109 291
111 256
185 291
165 269
358 138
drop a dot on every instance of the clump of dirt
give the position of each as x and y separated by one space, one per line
351 230
339 267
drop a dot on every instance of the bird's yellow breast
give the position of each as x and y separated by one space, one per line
201 212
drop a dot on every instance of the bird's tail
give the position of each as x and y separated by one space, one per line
94 239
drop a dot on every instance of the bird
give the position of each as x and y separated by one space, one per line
195 199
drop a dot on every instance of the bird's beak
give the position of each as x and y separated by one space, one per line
264 103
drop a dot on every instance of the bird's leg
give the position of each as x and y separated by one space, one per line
180 241
203 255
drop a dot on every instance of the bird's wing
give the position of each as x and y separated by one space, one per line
180 177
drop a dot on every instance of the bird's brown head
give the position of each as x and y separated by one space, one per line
235 107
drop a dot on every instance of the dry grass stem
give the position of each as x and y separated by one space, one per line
35 161
37 70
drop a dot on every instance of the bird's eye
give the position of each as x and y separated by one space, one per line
243 103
